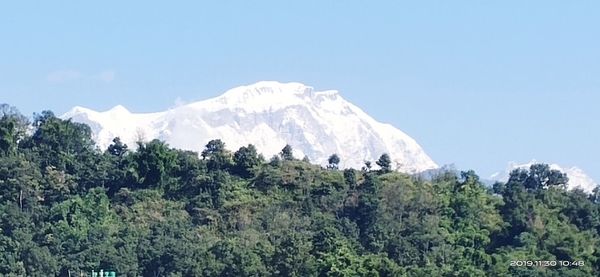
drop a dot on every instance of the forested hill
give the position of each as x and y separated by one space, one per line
69 208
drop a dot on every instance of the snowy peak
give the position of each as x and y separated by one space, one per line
269 89
78 110
268 96
577 177
269 115
118 109
276 89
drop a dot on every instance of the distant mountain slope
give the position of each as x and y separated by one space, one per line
577 178
268 115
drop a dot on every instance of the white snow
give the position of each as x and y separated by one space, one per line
577 178
267 114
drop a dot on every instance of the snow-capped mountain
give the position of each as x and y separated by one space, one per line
268 115
577 178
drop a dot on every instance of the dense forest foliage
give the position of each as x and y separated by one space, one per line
150 210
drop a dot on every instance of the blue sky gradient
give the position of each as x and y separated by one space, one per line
476 83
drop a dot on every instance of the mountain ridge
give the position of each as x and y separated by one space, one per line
269 115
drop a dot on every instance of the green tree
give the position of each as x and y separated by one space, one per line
217 156
287 153
63 144
66 147
237 260
81 231
21 182
19 254
292 257
367 209
333 161
246 159
542 177
13 128
367 167
475 218
117 148
385 163
306 159
350 177
153 164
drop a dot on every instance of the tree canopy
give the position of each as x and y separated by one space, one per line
68 208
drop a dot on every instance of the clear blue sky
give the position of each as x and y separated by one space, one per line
476 83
